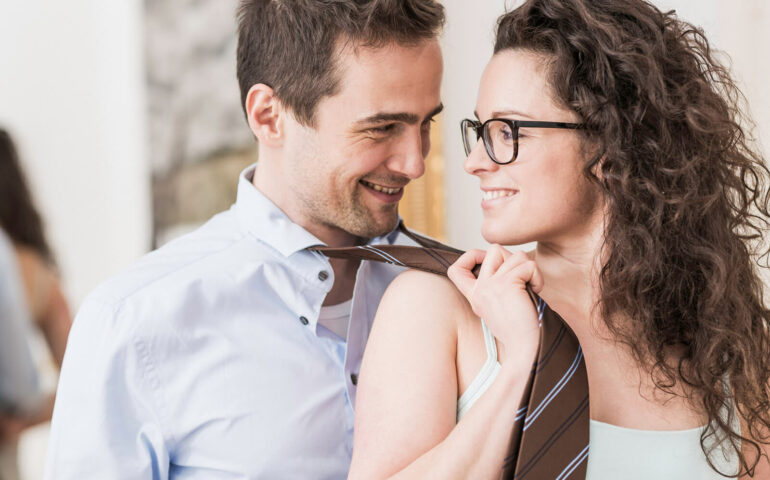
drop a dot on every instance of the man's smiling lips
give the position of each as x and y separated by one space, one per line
384 193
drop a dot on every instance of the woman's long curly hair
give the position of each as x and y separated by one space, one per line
686 198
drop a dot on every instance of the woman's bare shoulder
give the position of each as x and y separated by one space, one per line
416 286
431 297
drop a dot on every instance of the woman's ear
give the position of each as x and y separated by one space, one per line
596 168
264 114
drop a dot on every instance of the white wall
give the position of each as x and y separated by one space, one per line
72 92
741 29
467 42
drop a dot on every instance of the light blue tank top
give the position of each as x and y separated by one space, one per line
617 452
624 453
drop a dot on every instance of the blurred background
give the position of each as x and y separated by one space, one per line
126 118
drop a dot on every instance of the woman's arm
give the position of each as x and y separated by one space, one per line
55 322
46 301
407 395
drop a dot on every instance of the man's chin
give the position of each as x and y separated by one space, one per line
375 227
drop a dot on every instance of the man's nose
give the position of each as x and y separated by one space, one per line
410 160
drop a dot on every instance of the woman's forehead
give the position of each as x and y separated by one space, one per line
517 81
514 80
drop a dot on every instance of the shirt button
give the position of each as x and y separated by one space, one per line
304 320
323 275
354 378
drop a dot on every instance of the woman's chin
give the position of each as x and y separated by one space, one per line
493 232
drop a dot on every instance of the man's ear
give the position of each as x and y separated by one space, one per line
263 111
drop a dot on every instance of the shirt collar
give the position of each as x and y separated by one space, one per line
262 218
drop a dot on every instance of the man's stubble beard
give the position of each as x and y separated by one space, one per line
352 216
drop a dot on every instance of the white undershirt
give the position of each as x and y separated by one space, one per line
336 318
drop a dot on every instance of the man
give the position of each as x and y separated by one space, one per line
233 351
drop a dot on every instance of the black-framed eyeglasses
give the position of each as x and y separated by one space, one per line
501 136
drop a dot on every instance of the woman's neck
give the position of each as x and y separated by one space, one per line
570 267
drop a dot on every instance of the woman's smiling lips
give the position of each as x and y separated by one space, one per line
384 193
492 197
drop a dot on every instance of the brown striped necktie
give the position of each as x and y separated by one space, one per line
550 436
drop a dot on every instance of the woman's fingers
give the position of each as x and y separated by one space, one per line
495 257
536 279
514 267
513 260
526 273
524 270
461 272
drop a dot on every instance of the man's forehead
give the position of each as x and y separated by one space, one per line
390 79
349 53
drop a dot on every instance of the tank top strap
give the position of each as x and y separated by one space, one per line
484 378
489 343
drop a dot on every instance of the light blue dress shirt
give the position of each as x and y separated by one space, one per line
205 360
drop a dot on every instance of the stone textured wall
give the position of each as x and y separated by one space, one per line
198 137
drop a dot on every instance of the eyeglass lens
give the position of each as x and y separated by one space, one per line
499 140
468 135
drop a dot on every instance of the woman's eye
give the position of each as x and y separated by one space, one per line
505 134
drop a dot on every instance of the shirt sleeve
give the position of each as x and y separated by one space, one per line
106 423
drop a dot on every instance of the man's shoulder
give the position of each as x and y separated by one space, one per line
209 251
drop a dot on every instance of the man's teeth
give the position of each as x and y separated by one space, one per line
389 191
493 194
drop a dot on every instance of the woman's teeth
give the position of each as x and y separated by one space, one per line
493 194
379 188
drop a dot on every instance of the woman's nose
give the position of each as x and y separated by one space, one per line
478 160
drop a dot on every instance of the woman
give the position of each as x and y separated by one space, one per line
35 266
22 223
647 203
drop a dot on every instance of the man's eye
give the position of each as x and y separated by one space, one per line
383 129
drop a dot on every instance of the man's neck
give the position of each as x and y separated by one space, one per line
345 270
332 236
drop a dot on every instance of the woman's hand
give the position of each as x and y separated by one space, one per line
499 296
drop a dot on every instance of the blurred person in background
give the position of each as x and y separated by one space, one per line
30 295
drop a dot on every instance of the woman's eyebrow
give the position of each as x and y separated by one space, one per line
506 112
510 112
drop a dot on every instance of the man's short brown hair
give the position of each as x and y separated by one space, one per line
289 45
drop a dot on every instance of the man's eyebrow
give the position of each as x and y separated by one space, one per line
403 117
435 111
